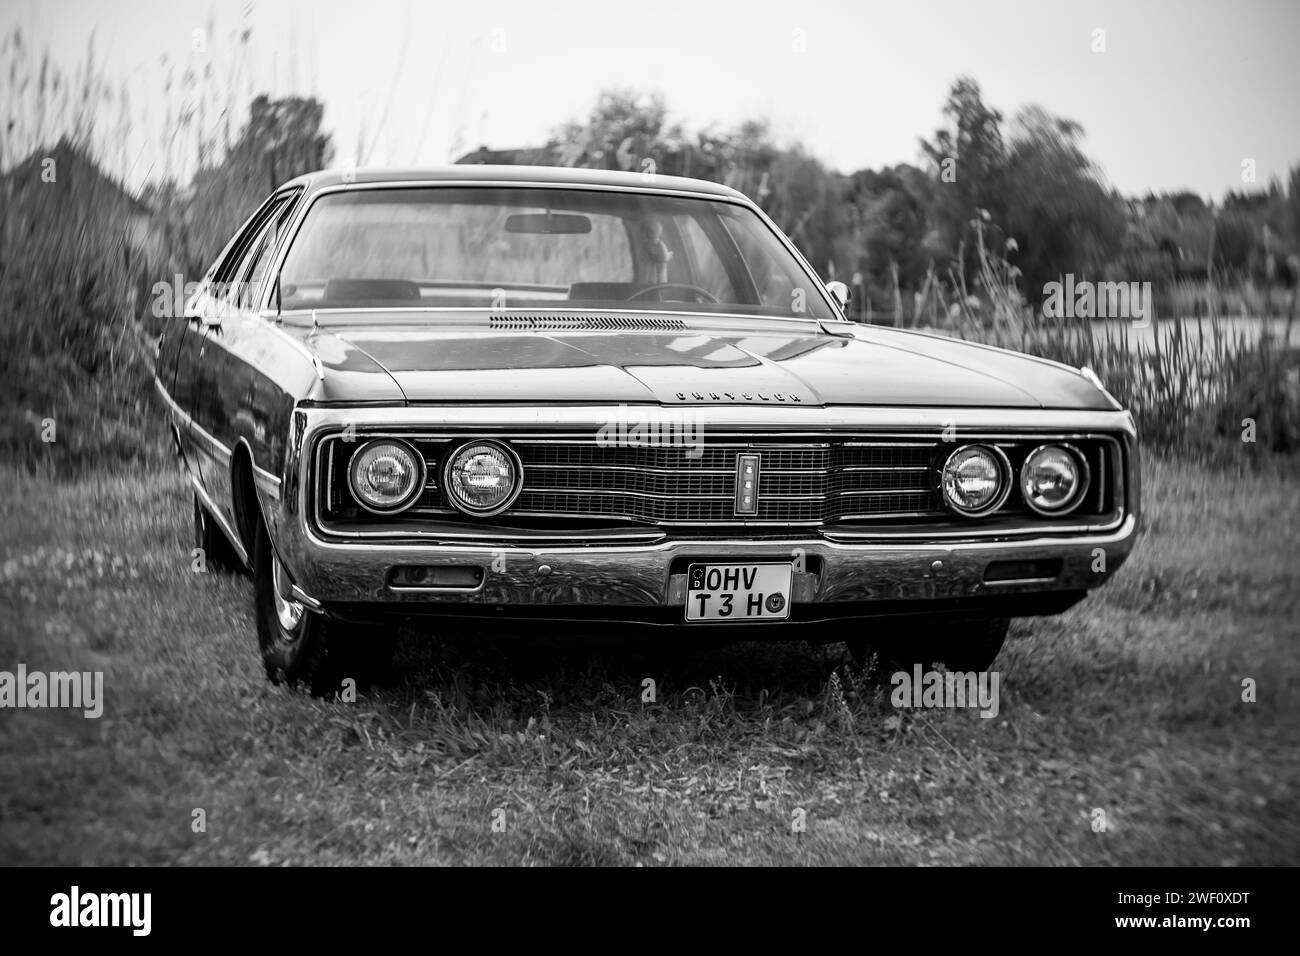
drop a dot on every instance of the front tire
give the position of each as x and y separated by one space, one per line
959 643
302 646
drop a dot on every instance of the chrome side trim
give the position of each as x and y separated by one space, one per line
214 514
193 428
264 479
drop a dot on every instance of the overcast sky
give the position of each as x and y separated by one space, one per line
1183 93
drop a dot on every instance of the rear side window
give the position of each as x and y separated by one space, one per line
259 259
235 262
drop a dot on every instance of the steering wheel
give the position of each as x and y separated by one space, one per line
702 295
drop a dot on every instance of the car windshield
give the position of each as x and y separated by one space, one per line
541 248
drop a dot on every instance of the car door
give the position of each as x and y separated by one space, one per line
185 388
225 373
200 363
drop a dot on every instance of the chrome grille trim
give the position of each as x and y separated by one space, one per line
834 521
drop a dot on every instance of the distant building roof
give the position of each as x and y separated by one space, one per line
75 170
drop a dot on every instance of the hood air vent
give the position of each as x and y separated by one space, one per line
584 323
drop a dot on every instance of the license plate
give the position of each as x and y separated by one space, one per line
738 592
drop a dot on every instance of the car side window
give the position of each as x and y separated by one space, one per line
226 268
259 258
223 285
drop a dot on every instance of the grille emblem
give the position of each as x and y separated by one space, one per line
747 484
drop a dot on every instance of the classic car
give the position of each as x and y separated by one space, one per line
535 395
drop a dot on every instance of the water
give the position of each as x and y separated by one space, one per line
1237 331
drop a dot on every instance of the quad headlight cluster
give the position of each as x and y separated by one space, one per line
479 478
977 479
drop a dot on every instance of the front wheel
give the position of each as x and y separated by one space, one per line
959 643
299 645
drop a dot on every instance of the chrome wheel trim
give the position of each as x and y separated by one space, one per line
287 611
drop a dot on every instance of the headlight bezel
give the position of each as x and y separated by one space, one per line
447 484
1082 469
1006 478
417 487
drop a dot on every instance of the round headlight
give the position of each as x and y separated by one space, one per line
976 479
482 478
386 476
1053 479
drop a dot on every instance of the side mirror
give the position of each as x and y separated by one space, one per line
205 310
199 308
840 293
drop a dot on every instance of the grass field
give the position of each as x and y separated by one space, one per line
1130 703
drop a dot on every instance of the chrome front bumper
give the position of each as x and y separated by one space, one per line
908 574
643 576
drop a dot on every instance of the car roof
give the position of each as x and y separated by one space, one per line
532 175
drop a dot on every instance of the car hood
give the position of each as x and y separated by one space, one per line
452 361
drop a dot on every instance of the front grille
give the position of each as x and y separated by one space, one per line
574 482
806 484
